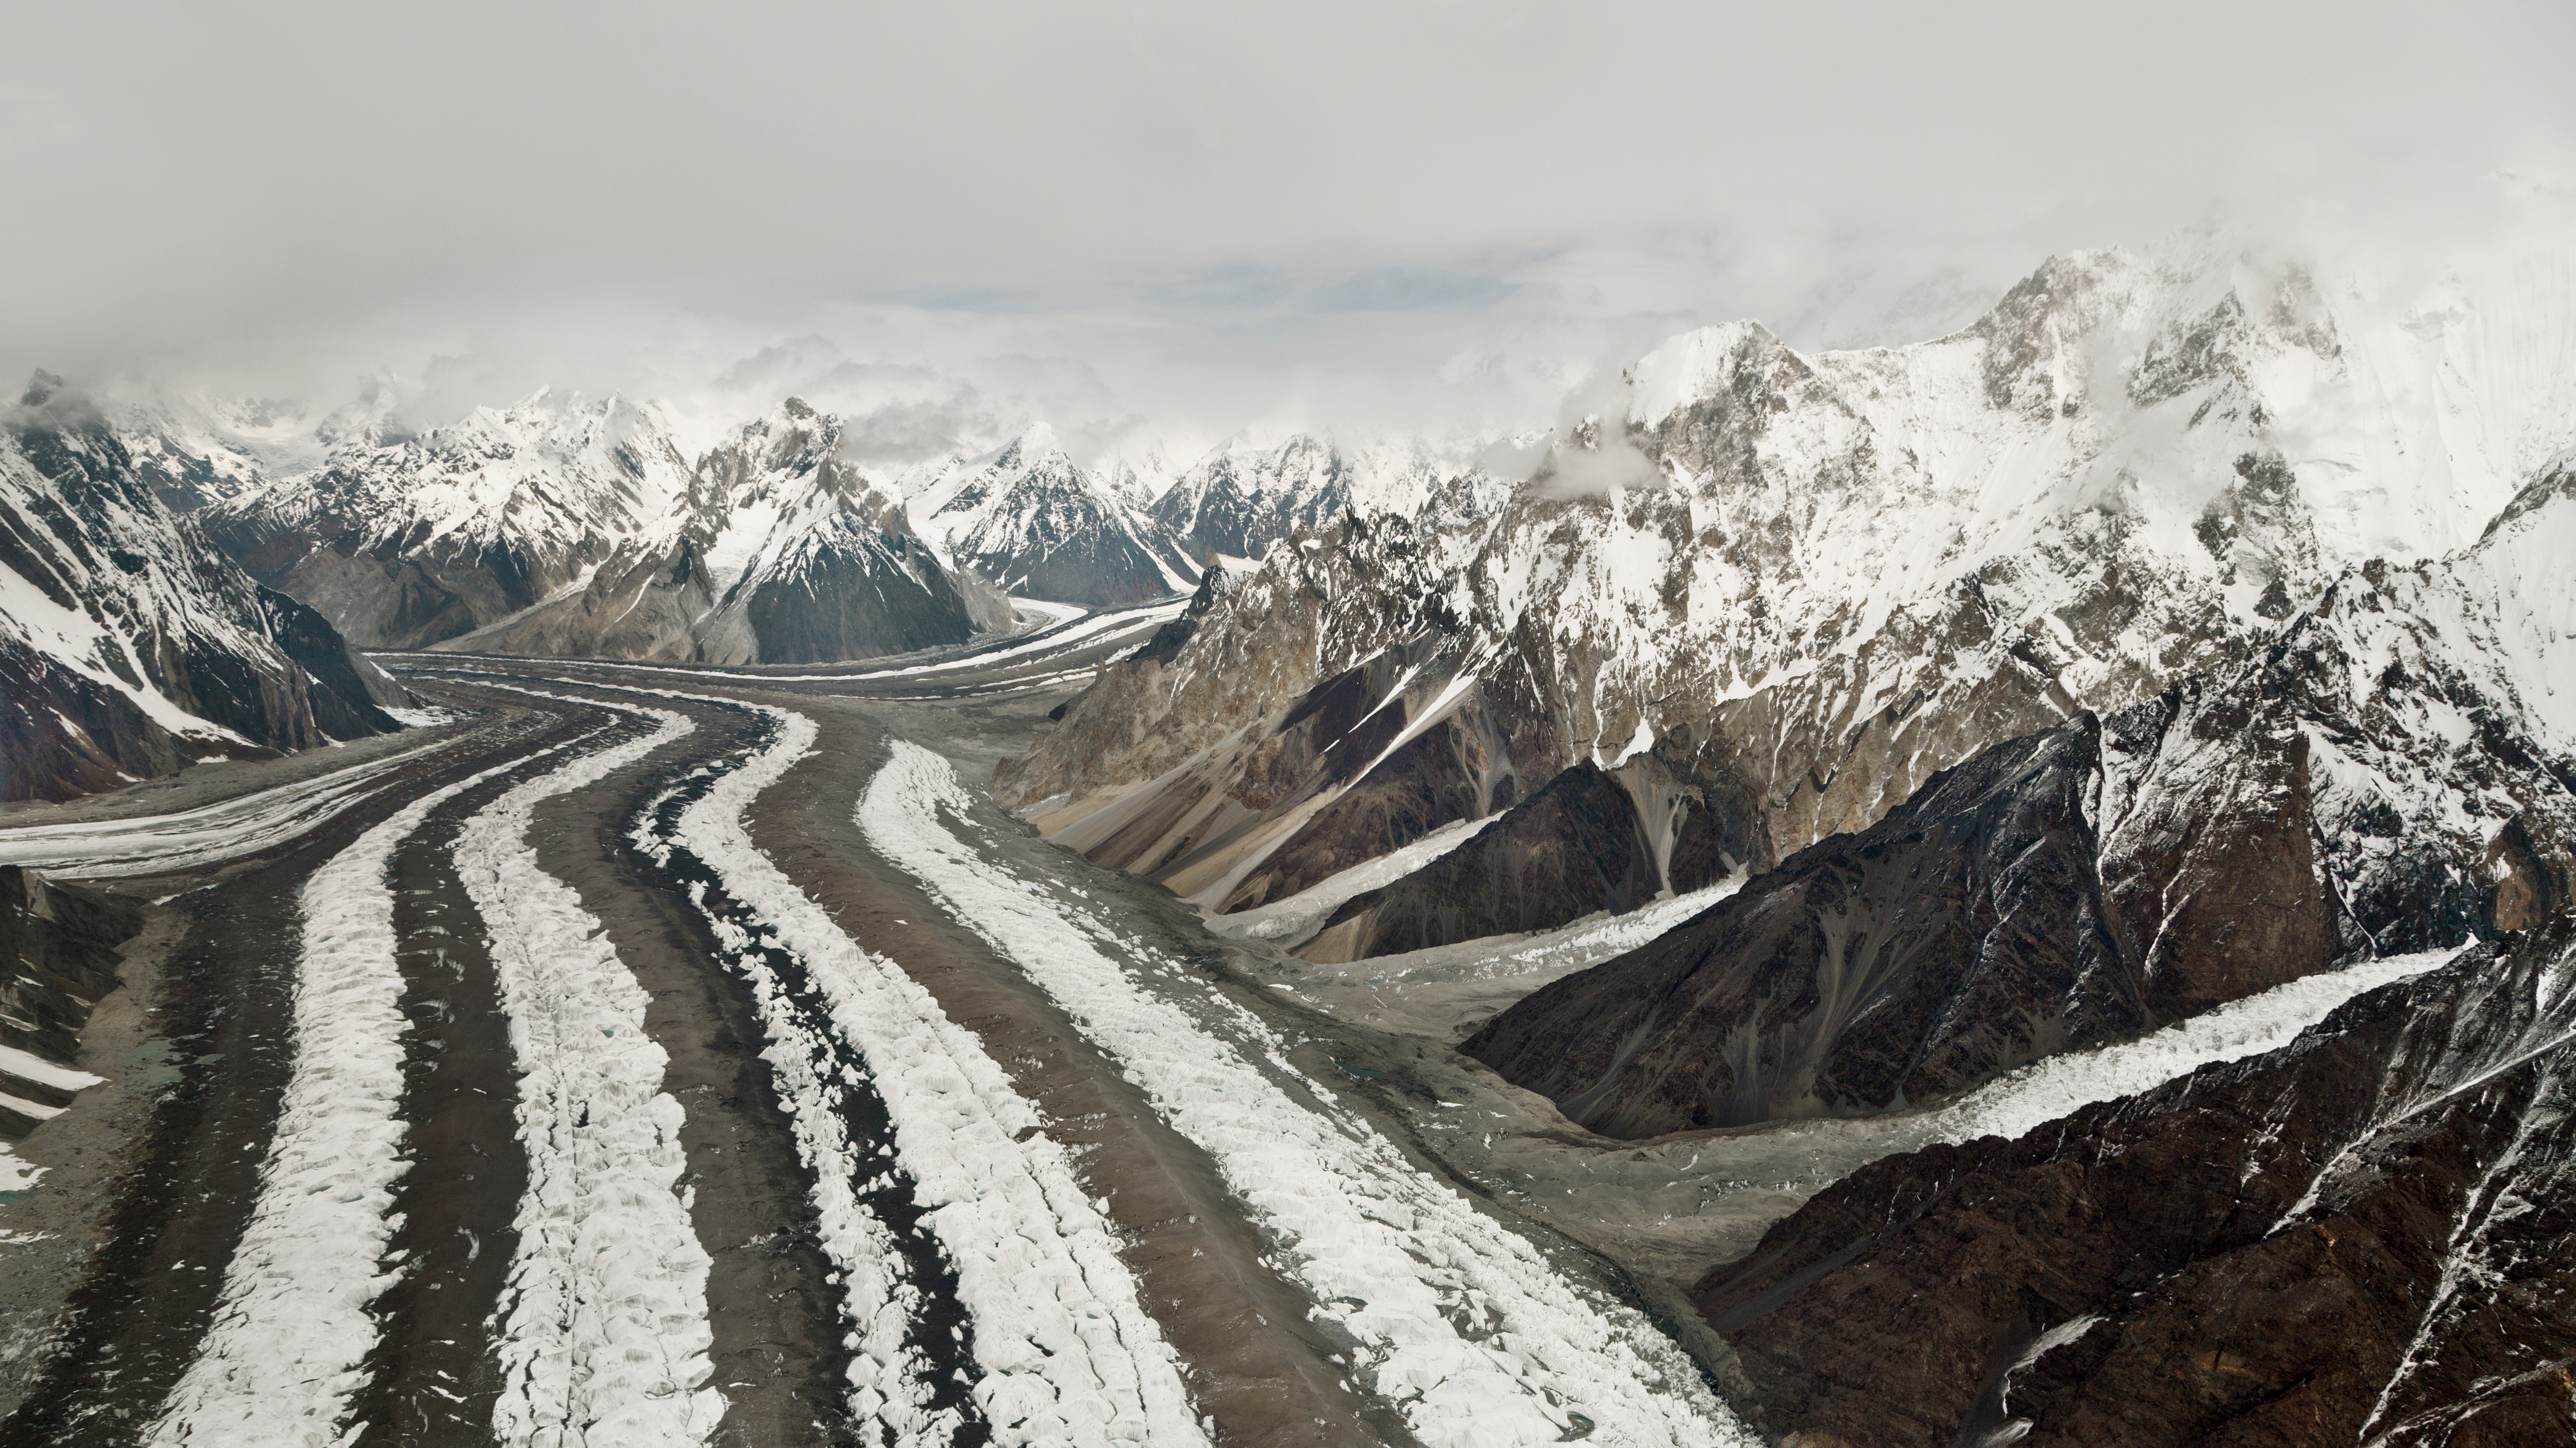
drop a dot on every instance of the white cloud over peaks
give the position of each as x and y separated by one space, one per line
1409 214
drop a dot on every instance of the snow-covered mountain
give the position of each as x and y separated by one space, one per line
1026 517
1241 498
130 645
404 544
776 551
1785 590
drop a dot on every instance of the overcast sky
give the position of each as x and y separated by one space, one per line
1384 214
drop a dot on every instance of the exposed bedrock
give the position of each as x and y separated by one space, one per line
129 645
2367 1236
1254 646
1964 934
1274 809
856 593
59 945
2078 887
1461 768
1674 819
2073 888
406 591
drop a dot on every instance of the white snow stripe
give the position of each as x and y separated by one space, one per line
227 829
1459 1323
889 1380
1083 630
604 1335
280 1361
1069 1354
2013 1105
886 1375
28 1066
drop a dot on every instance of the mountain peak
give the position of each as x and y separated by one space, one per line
1037 441
1694 365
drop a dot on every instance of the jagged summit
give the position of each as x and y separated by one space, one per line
1032 520
777 551
404 544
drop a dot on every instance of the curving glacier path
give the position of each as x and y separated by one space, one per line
677 1057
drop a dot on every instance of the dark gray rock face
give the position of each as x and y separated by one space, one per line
862 599
1574 847
1963 935
385 597
353 692
129 645
1463 767
1589 839
59 945
2367 1236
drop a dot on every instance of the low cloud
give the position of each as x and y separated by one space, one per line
1484 207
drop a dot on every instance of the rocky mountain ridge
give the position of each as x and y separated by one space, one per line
775 551
130 646
2386 776
1830 577
1026 517
2362 1237
404 544
562 526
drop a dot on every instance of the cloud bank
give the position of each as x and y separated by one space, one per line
1397 214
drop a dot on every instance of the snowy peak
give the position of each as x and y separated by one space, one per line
548 472
778 551
407 543
1700 365
1833 575
1030 519
1240 499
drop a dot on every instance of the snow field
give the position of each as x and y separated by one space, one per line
2013 1105
1458 1322
603 1337
281 1358
1069 1354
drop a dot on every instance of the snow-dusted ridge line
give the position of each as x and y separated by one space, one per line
604 1336
1068 1351
283 1354
1458 1322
